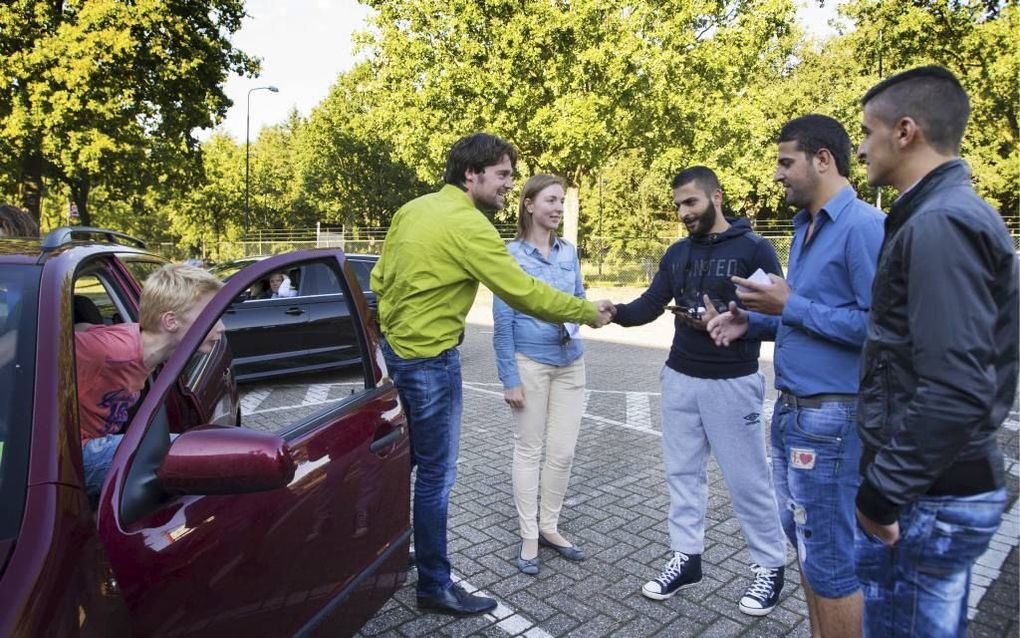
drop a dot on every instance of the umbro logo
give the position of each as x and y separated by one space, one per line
752 418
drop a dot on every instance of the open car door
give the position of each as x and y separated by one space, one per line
297 522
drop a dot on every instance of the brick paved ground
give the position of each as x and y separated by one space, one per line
615 510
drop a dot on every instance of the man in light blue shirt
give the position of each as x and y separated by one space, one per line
818 319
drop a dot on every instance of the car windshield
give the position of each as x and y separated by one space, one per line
18 293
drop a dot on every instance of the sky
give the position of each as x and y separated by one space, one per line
305 44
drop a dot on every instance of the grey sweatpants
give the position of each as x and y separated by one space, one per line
722 416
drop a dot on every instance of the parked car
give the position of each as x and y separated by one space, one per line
301 529
274 337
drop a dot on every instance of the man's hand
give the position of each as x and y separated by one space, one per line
606 313
729 326
700 325
888 534
514 397
604 305
769 299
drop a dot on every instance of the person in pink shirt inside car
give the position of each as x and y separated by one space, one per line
114 361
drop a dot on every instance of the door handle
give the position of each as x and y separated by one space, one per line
294 311
383 442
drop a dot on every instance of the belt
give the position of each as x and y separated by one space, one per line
815 400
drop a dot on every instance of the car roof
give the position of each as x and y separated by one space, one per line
33 251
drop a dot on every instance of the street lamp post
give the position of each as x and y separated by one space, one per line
247 153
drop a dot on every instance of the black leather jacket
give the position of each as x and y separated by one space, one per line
939 371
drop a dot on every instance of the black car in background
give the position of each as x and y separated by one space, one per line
308 332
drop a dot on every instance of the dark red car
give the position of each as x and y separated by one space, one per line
297 525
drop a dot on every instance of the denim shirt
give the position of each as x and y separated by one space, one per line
537 340
821 332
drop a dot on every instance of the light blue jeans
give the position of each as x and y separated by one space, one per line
97 456
919 586
815 457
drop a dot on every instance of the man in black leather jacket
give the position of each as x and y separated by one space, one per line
939 372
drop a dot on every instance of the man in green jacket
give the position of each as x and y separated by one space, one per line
439 247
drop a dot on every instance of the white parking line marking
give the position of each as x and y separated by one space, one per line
505 617
988 567
592 417
639 411
316 393
251 400
291 407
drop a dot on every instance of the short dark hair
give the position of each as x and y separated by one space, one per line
476 152
932 97
703 176
15 222
814 132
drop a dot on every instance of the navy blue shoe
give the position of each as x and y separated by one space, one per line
456 602
569 552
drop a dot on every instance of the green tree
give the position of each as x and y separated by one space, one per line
348 171
106 93
276 198
213 212
572 85
977 40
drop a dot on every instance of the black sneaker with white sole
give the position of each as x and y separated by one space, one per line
762 595
683 570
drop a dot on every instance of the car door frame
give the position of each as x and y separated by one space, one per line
145 441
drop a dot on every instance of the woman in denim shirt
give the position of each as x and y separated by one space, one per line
542 370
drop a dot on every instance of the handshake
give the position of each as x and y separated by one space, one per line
606 313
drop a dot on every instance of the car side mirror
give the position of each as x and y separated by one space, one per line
215 459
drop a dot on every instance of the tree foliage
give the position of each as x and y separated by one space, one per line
614 95
106 93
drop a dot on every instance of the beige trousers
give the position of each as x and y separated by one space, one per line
553 406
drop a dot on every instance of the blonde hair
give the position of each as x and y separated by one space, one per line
535 185
173 288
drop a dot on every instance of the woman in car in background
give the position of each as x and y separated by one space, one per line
279 286
541 366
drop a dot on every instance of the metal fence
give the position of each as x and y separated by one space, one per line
609 261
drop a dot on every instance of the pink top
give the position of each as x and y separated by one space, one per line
111 375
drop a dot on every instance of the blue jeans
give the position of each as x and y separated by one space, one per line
815 458
919 586
430 389
97 456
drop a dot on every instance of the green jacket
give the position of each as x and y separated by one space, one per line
438 248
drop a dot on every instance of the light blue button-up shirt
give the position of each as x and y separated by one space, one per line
821 331
537 340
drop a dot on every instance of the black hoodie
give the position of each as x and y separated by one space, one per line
700 265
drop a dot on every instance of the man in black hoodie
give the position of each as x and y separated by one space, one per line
711 396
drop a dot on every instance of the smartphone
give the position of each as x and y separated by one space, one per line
695 313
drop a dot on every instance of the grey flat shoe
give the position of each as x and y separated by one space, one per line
570 552
529 566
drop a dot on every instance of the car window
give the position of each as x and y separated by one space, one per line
363 271
18 303
93 302
319 279
140 269
294 367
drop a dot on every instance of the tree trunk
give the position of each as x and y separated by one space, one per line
80 197
32 183
571 214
